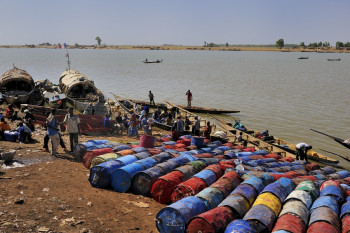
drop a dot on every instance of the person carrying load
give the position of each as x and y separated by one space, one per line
301 151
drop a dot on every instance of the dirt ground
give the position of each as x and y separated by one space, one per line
54 195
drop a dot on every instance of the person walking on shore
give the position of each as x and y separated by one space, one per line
301 151
189 98
52 131
73 127
151 98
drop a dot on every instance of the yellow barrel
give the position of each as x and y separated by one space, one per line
269 200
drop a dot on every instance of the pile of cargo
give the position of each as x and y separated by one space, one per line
215 187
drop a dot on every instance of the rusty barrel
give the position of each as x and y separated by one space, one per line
255 182
162 188
269 200
280 188
302 196
309 187
240 226
247 191
208 176
237 203
142 155
174 217
324 214
346 224
225 185
322 227
326 201
334 192
89 155
345 210
329 183
162 157
290 223
214 220
212 197
170 164
187 188
296 208
263 216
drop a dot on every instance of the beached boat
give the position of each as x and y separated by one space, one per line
336 59
156 61
81 91
16 86
338 140
303 57
283 145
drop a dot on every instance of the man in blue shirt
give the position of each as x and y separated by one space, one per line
52 131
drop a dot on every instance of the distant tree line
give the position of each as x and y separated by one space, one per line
314 45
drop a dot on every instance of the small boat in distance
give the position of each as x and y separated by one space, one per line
156 61
334 59
303 58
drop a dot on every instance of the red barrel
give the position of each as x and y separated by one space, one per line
290 223
274 156
346 224
225 185
212 221
216 168
277 176
180 145
188 188
322 227
255 157
162 188
312 166
89 155
292 174
312 178
227 164
287 159
239 147
329 183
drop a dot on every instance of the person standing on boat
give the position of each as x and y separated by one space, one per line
189 98
151 98
52 131
301 151
73 127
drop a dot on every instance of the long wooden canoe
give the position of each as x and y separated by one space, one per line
338 140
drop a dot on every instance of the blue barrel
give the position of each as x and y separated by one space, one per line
344 174
270 160
255 182
171 143
259 161
317 172
223 148
272 164
123 147
198 141
242 154
99 175
240 226
280 188
174 217
267 178
127 159
171 151
262 214
285 164
345 210
147 162
212 196
142 155
297 167
142 181
217 152
260 152
160 148
139 149
333 191
196 152
173 163
231 155
245 158
162 157
121 178
217 143
246 191
237 203
320 177
207 149
190 157
328 170
326 201
251 163
208 176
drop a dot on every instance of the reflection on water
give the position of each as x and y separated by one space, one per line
273 90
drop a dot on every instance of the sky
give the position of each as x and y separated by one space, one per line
178 22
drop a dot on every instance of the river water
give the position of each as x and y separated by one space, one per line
273 90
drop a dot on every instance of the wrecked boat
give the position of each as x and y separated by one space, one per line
16 86
81 92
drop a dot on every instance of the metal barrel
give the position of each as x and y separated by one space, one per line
324 214
309 187
322 227
240 226
334 176
216 168
174 217
320 177
231 155
127 159
329 183
189 157
263 215
247 191
302 196
289 223
237 203
328 170
142 155
212 196
269 200
233 177
187 188
188 170
346 223
267 178
334 192
281 188
200 164
326 201
90 154
255 182
173 163
139 149
147 162
345 210
296 208
344 174
99 175
208 161
214 220
162 188
142 181
103 158
225 185
162 157
243 154
207 149
120 178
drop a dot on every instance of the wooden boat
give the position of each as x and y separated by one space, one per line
81 92
338 140
287 147
334 59
16 86
156 61
303 57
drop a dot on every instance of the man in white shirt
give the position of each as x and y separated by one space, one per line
73 127
301 151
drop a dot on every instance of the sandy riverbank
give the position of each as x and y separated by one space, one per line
184 47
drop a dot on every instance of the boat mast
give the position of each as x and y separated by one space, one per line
67 55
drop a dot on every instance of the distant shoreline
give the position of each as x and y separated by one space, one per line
199 48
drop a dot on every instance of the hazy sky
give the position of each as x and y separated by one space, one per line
181 22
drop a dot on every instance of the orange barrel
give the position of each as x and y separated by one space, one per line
214 220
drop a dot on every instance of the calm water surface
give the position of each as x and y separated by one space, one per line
273 90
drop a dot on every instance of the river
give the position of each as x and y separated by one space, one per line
273 90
